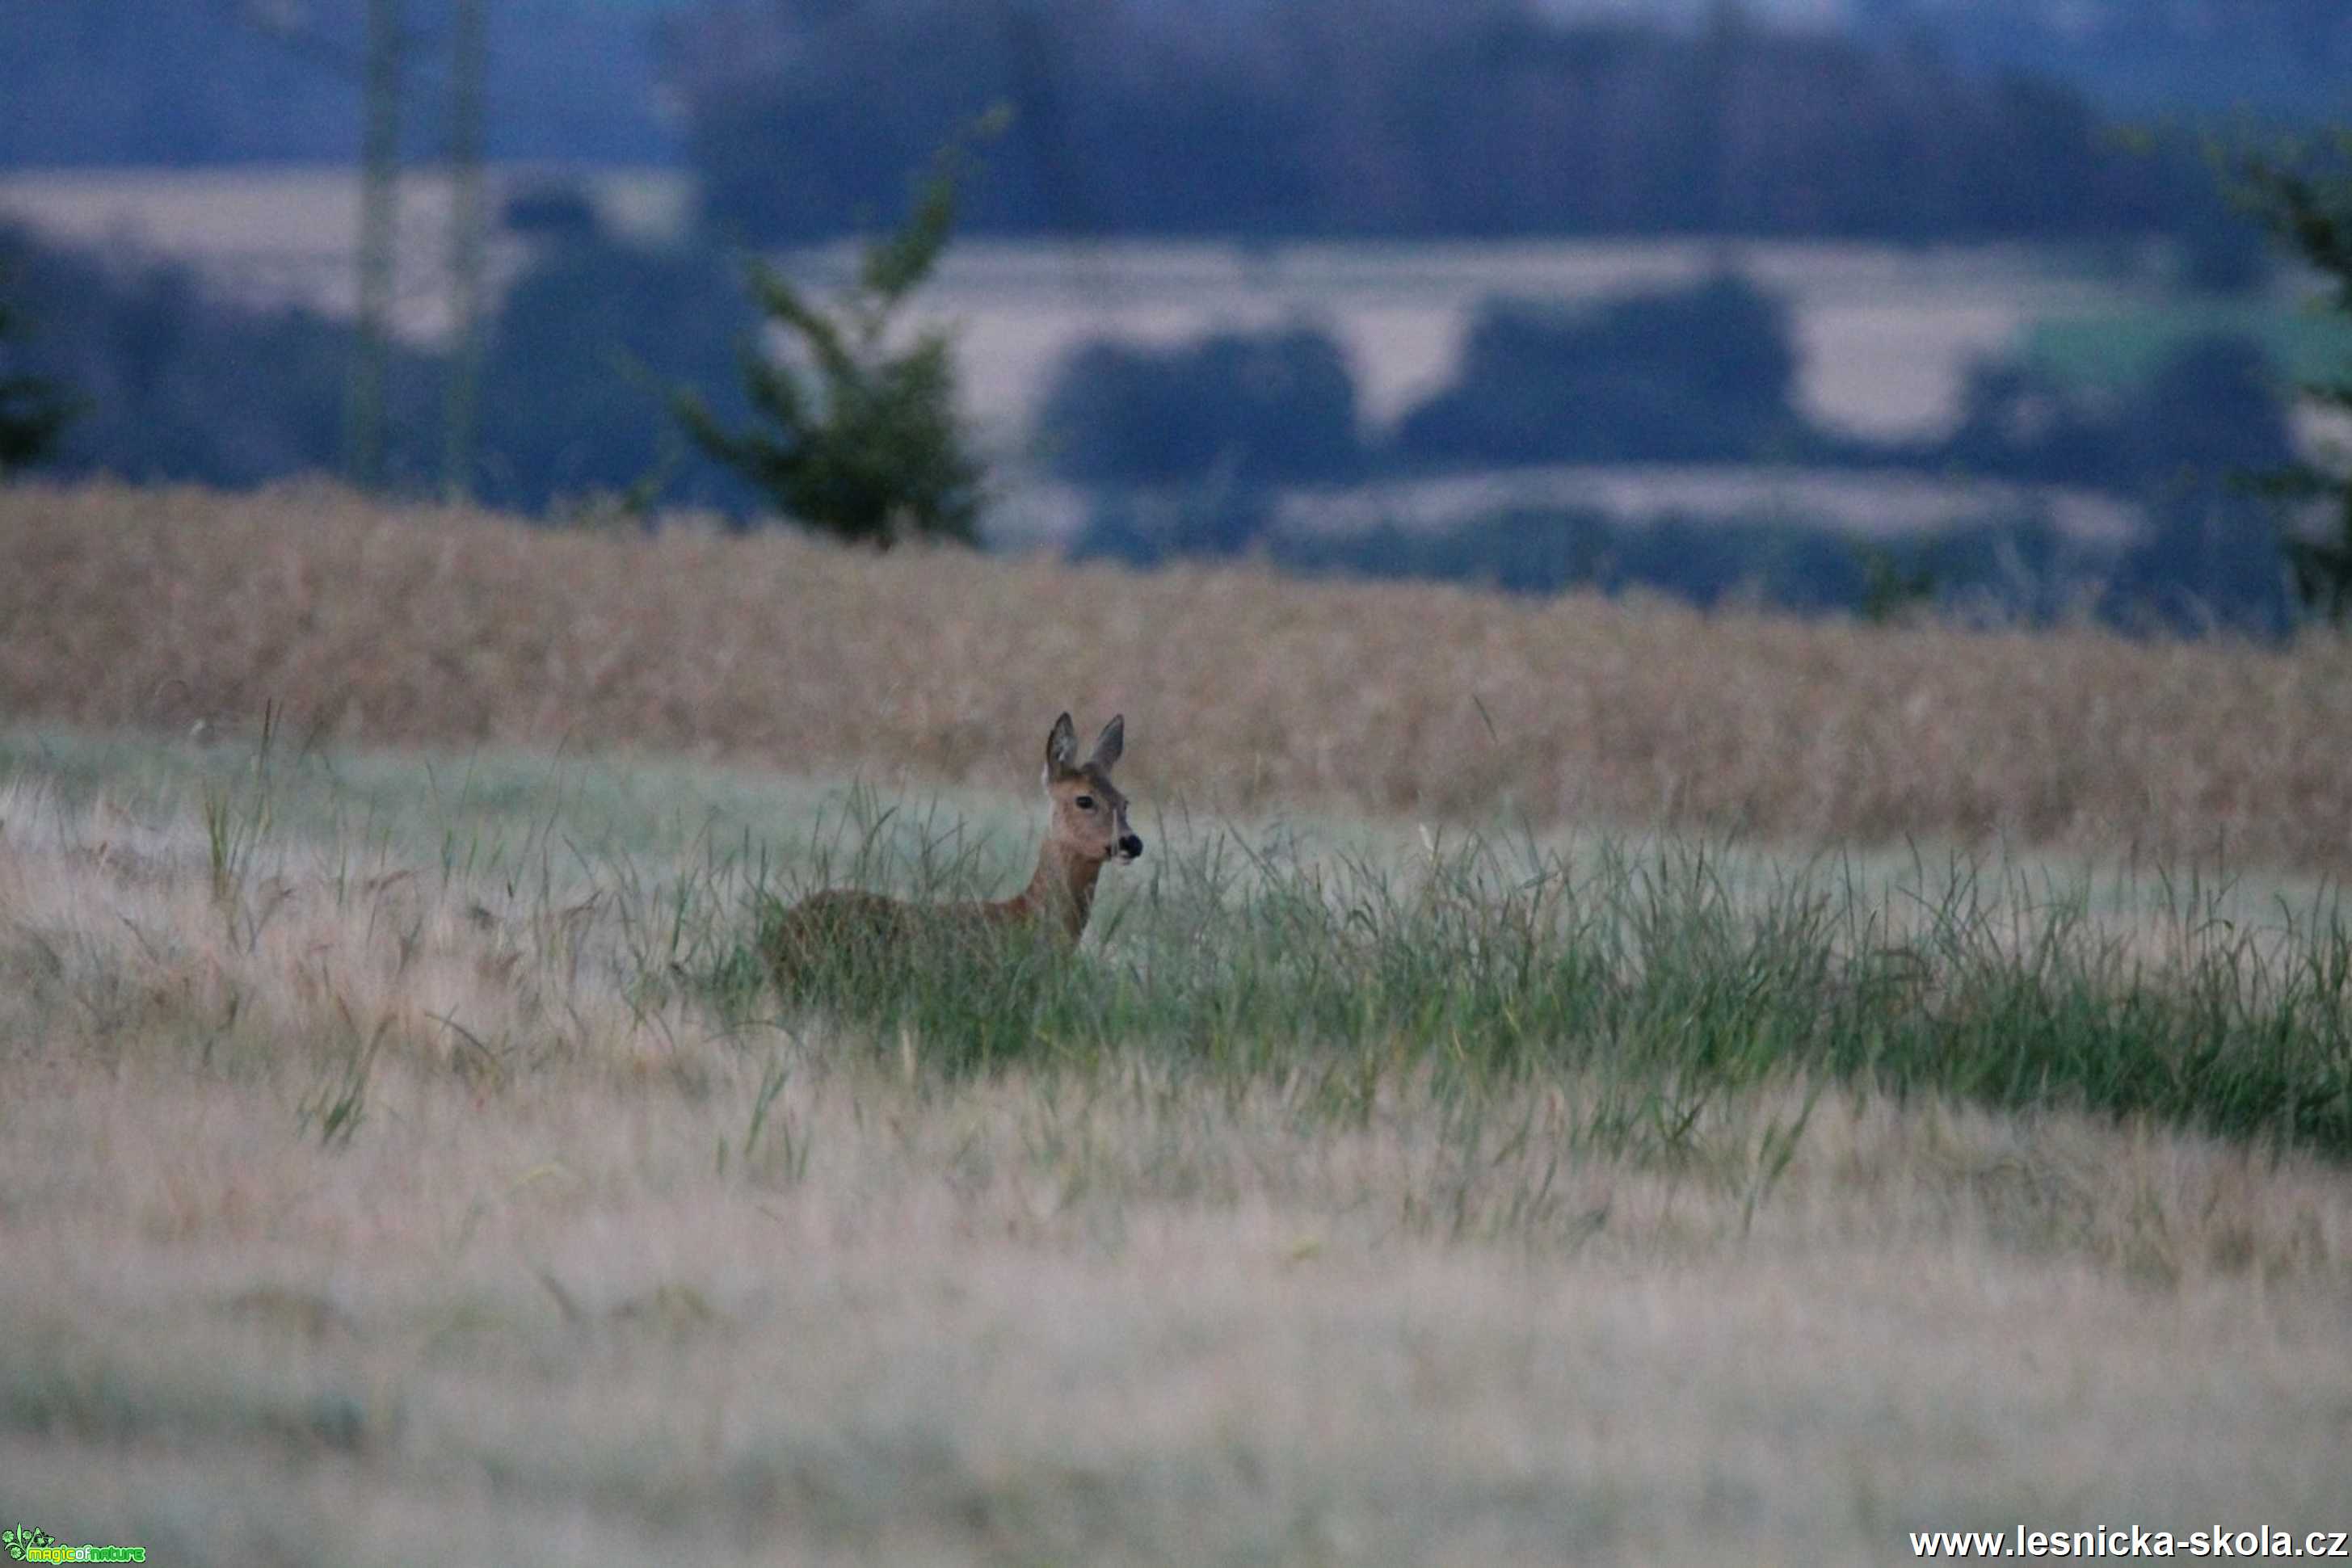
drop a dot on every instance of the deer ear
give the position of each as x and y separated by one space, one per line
1111 743
1061 748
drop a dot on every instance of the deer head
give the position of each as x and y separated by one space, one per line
1089 815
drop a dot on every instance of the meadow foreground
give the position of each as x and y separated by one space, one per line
396 1154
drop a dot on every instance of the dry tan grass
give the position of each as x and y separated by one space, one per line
1126 1320
164 609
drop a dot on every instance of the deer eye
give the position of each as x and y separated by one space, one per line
1084 802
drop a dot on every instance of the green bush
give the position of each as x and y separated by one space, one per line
864 443
1256 408
33 411
1704 373
174 383
2302 192
578 364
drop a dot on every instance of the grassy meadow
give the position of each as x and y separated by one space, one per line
1575 1081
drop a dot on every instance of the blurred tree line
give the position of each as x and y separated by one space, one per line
1396 118
172 382
1700 375
2137 57
172 83
33 410
185 81
1346 117
1187 448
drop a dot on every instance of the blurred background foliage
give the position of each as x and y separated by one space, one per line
2077 131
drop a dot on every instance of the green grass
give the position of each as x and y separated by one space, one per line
1497 963
2118 350
1674 973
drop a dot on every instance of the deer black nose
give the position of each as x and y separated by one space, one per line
1130 845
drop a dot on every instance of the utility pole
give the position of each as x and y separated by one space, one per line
468 73
379 225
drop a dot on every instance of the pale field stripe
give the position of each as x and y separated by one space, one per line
1885 334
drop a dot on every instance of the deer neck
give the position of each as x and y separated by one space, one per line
1062 890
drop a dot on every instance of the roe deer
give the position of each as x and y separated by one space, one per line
1088 828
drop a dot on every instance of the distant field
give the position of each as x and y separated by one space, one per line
2122 348
1886 334
273 236
395 1154
168 610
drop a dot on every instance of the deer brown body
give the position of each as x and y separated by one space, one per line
1087 830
